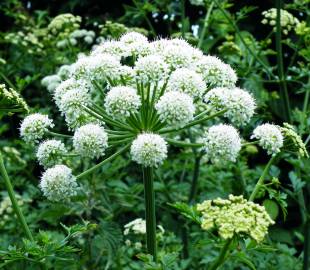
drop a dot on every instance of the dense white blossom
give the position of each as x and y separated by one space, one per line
64 72
67 85
187 81
51 153
136 44
149 150
137 226
175 108
150 69
58 183
72 100
51 82
240 104
221 143
112 47
176 56
34 127
121 101
269 138
90 140
215 72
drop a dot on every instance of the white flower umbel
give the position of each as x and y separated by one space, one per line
90 141
34 127
51 153
215 72
239 103
121 101
67 85
269 138
137 226
150 69
175 108
149 150
136 44
187 81
176 56
51 82
222 143
112 47
72 100
58 183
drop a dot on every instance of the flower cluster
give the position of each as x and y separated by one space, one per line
292 141
11 100
136 226
239 104
51 152
77 35
64 24
235 215
221 143
58 183
287 20
134 92
269 138
34 127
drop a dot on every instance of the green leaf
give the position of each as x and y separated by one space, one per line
272 208
188 211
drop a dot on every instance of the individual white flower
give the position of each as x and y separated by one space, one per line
186 81
121 101
104 67
136 44
150 69
137 226
239 103
67 85
221 143
149 150
90 140
269 138
51 153
215 72
80 69
73 99
58 183
64 72
112 47
51 82
34 127
176 56
175 108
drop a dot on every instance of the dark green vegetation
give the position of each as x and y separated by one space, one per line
272 62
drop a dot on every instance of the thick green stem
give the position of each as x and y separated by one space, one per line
194 185
184 144
58 134
150 217
282 84
14 202
83 174
261 180
205 25
221 258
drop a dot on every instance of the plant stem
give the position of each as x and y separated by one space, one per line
221 258
193 123
261 180
14 202
145 17
122 150
195 178
150 217
205 25
282 83
58 135
184 144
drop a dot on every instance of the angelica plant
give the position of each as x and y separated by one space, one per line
134 95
